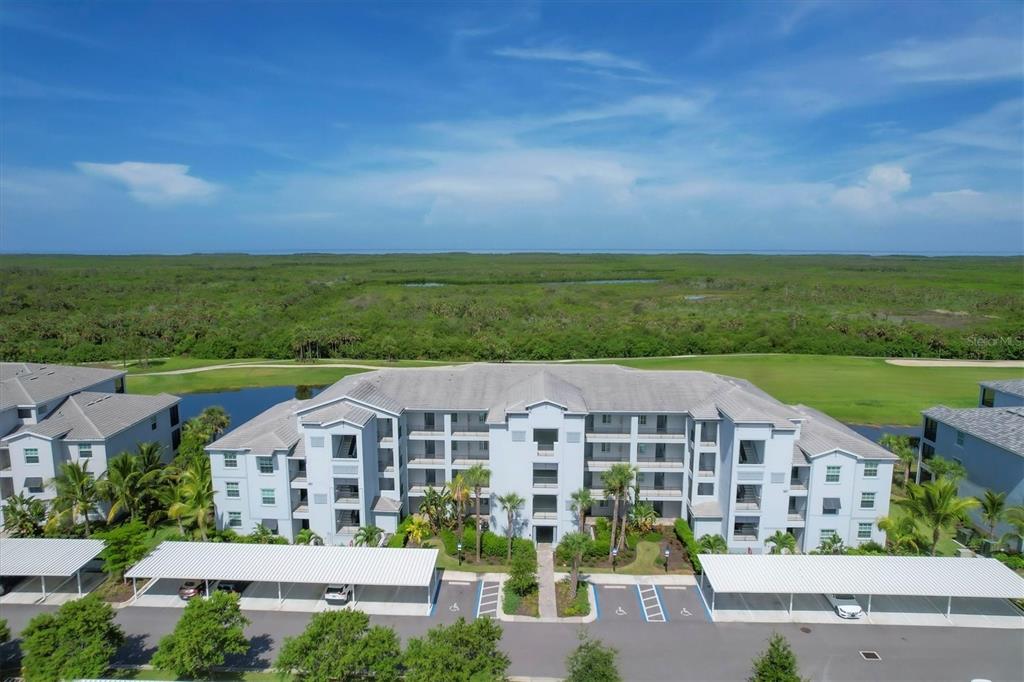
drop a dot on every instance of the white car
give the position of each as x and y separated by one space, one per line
338 594
846 605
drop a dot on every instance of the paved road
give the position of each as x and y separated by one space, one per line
686 647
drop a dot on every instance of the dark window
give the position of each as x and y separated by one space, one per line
119 385
930 426
175 439
927 451
988 397
428 421
24 413
174 415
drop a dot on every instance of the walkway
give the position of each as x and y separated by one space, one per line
546 578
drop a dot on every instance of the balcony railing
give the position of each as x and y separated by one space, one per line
426 460
470 460
301 508
661 491
344 529
346 495
665 463
545 482
545 514
747 503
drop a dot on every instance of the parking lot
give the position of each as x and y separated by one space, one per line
58 590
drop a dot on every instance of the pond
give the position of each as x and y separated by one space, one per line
246 403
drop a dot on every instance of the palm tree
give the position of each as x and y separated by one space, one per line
436 506
459 492
129 482
76 494
419 529
617 482
713 544
216 420
575 544
947 469
643 517
1015 517
782 543
902 533
582 500
197 495
832 545
261 535
172 503
511 504
937 505
306 536
24 516
368 536
993 506
900 446
477 476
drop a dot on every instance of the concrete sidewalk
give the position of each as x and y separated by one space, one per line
546 578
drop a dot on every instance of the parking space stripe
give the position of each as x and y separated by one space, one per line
651 604
487 599
664 611
640 601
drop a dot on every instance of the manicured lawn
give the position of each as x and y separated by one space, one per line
236 378
567 607
851 389
646 562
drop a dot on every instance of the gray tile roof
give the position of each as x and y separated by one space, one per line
337 412
272 429
387 505
1011 386
96 416
1001 426
707 510
820 433
25 383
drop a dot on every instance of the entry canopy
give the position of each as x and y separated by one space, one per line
47 557
909 576
379 566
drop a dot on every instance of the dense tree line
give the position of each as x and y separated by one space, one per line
529 306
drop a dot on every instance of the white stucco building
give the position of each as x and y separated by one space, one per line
51 414
713 449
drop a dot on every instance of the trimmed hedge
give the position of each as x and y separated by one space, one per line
492 545
1014 561
685 536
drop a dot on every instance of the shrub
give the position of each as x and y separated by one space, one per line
632 539
580 606
1014 561
510 602
207 630
654 536
522 578
449 541
592 662
78 641
398 539
341 645
685 536
460 651
777 663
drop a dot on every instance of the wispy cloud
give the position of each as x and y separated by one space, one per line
153 183
16 87
598 59
968 58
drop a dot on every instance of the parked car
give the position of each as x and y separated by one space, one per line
7 583
338 594
846 605
192 588
236 586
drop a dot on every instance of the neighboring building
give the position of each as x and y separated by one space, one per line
712 449
51 414
987 440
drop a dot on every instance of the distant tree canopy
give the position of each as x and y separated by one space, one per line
526 306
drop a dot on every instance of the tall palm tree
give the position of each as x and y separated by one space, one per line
459 492
575 543
1015 517
948 469
419 529
713 544
582 500
171 496
617 482
937 505
197 494
993 506
832 545
24 516
216 419
782 543
900 446
477 476
368 536
902 533
76 494
511 504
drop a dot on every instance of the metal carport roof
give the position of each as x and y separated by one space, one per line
912 576
381 566
53 557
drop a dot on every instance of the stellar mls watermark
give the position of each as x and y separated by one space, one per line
989 341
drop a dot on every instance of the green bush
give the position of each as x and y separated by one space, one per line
398 539
522 578
449 541
510 602
631 540
1014 561
654 536
685 536
580 606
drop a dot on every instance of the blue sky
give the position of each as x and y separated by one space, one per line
180 127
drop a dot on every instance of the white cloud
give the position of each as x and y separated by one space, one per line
594 58
882 184
969 58
153 183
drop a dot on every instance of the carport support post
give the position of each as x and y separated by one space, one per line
78 579
790 603
869 606
42 579
279 600
949 606
206 581
135 589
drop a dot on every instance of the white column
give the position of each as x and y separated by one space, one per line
869 606
78 579
279 600
713 605
42 579
949 606
207 582
790 603
135 590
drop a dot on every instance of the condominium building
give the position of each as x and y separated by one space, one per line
51 414
988 440
713 449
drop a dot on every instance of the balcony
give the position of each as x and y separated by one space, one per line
660 491
426 461
474 432
5 460
745 530
346 494
607 436
660 436
605 461
545 479
469 460
301 509
748 497
663 463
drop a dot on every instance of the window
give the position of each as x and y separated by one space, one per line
455 446
152 423
428 421
960 438
85 451
870 469
832 472
519 436
485 446
606 419
455 417
267 496
265 465
175 439
867 500
31 456
709 432
24 413
830 506
927 450
386 483
234 519
705 488
643 420
826 534
606 447
429 447
316 441
483 417
119 385
231 488
930 426
34 484
863 531
641 448
175 417
751 452
230 461
988 397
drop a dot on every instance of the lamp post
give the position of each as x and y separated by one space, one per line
458 546
666 557
615 555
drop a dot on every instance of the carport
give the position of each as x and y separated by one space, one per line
900 588
44 558
385 580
